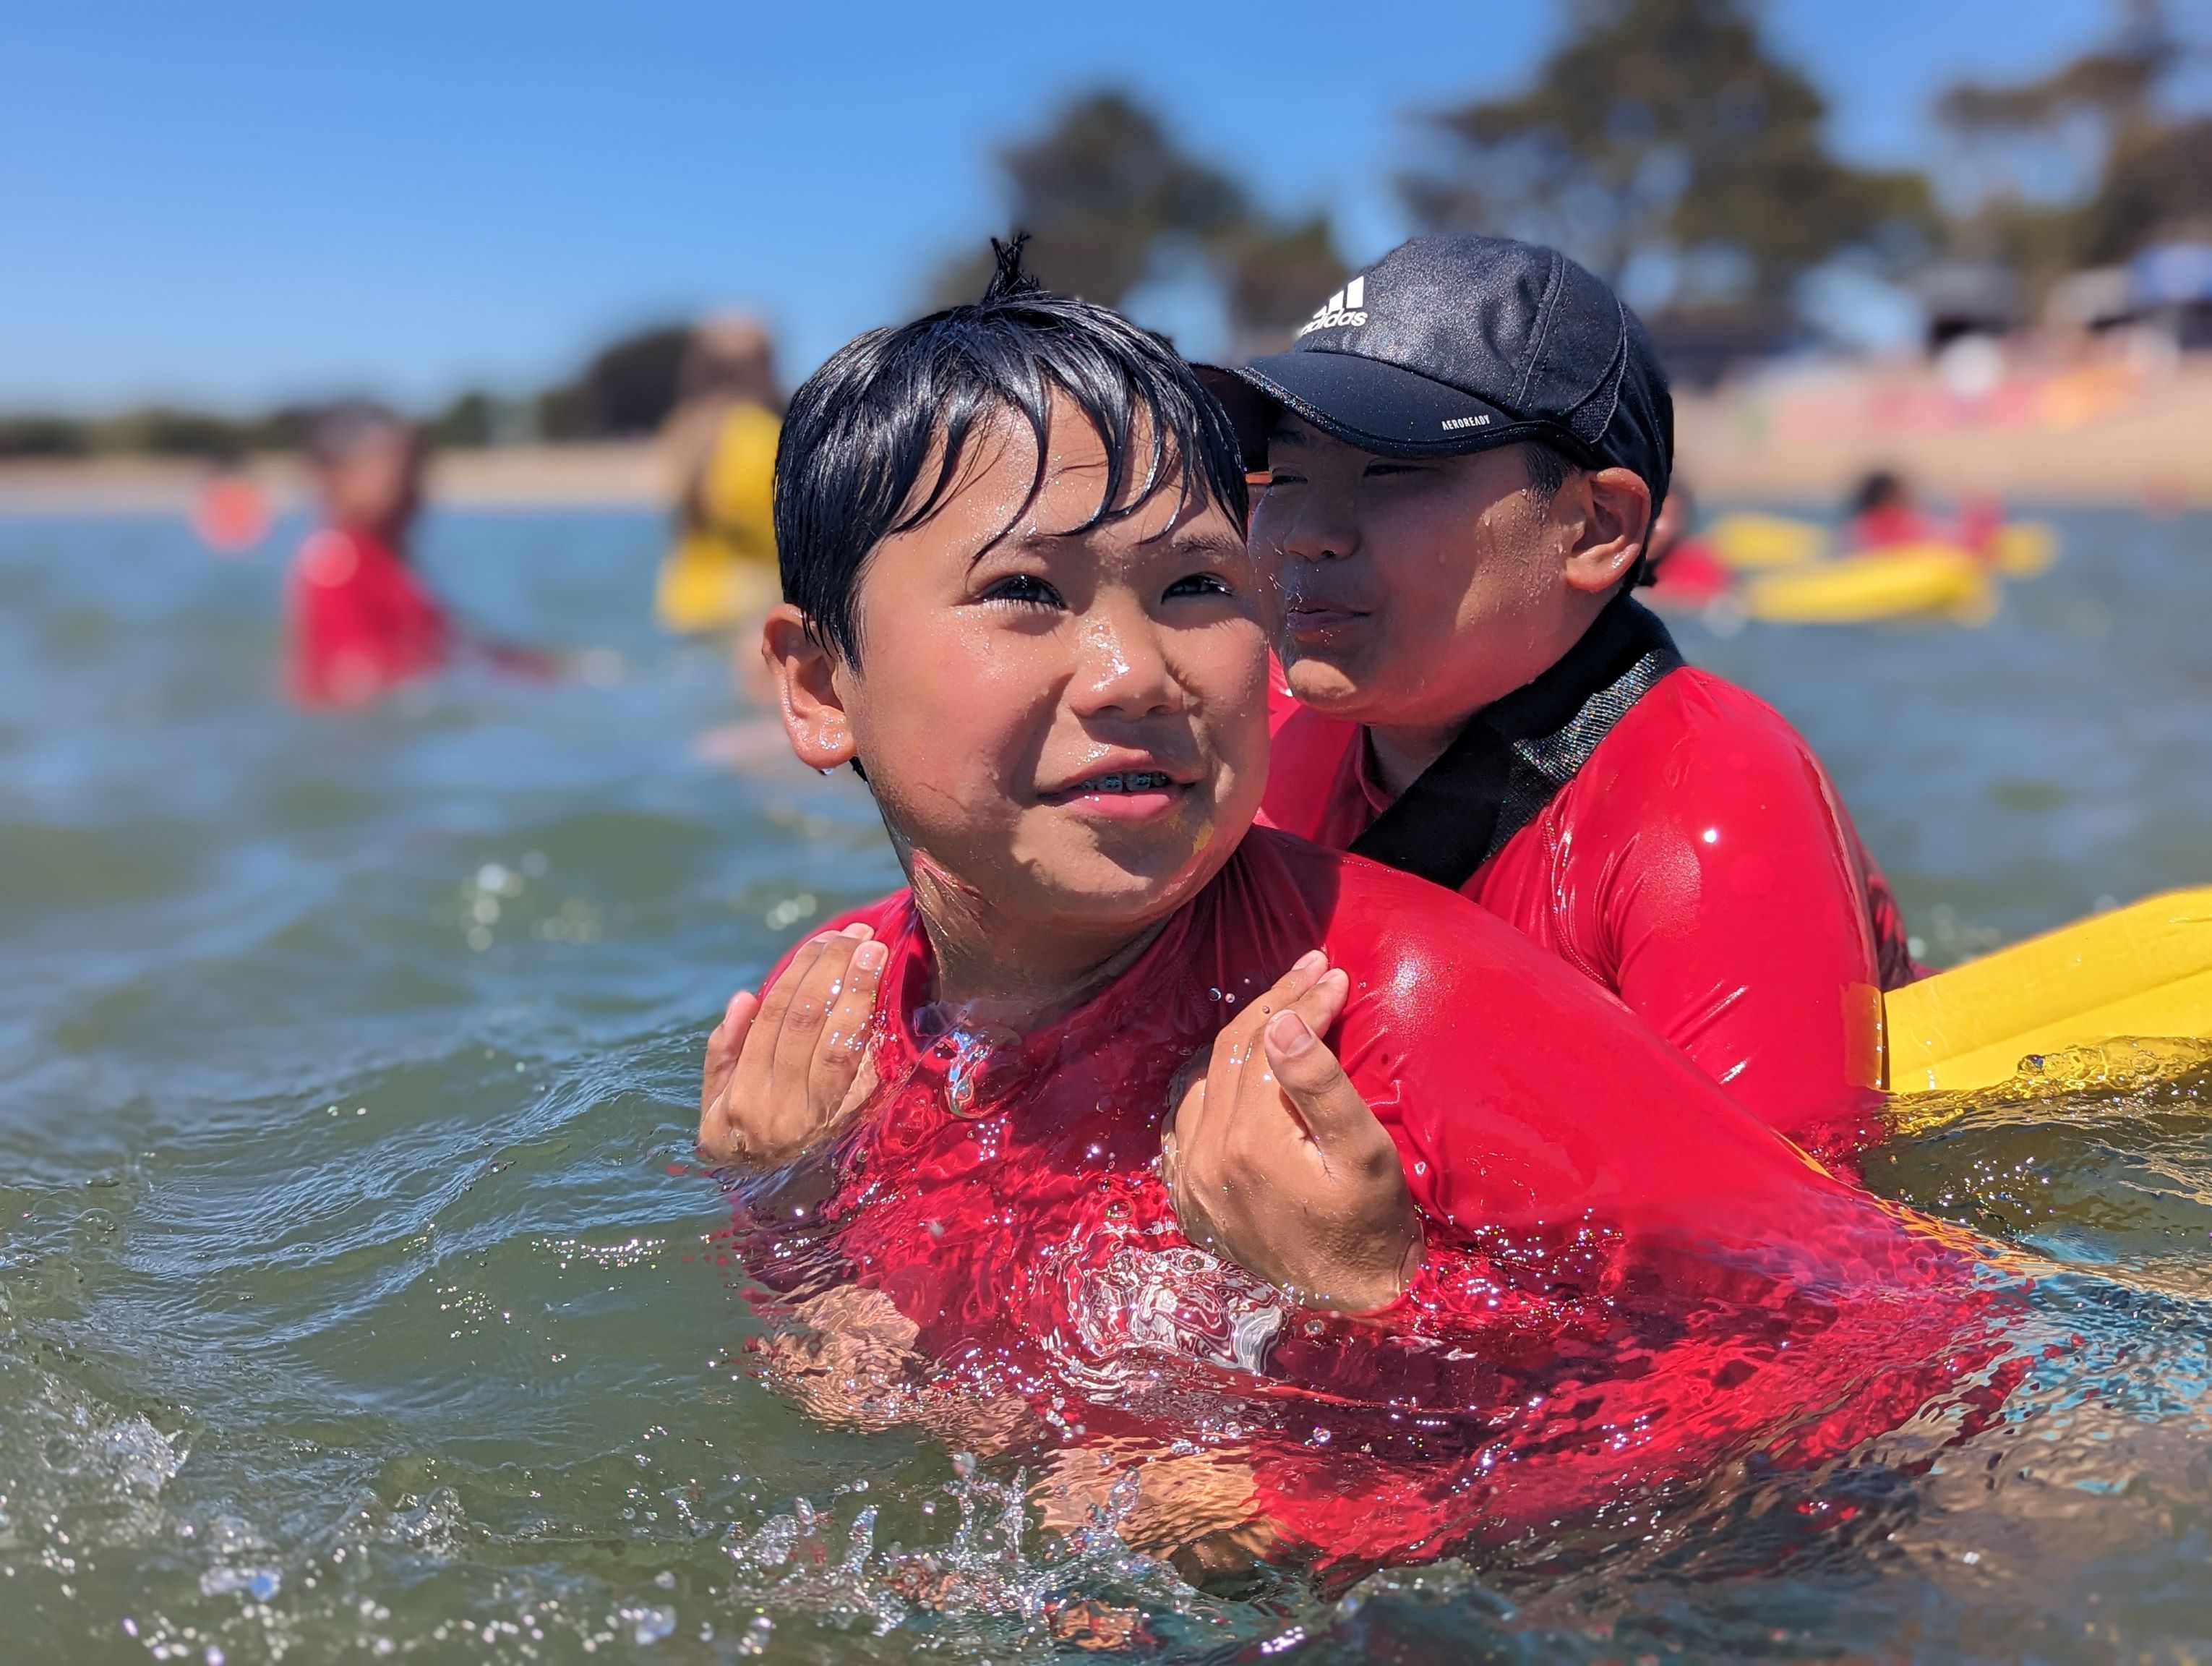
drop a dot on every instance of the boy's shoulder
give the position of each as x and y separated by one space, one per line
1379 923
1695 738
1708 717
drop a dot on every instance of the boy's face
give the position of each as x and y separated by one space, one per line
1406 592
1072 727
375 485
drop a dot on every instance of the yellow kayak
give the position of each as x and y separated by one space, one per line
1749 542
2025 549
1920 578
2144 971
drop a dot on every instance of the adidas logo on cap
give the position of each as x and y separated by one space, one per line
1347 306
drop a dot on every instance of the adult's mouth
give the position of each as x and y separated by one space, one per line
1316 621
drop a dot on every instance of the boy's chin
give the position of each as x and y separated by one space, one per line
1328 685
1135 888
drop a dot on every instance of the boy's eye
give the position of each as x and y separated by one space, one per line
1202 584
1026 588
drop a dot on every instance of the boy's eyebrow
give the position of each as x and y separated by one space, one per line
1181 540
1286 433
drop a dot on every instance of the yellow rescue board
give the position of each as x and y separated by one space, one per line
2144 971
1920 578
2025 549
1750 542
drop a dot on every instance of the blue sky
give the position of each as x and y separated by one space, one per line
235 203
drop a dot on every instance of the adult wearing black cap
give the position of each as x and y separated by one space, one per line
1465 449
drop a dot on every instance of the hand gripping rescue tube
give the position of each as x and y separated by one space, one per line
1626 1278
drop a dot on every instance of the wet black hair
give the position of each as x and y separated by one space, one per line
897 404
1548 469
1877 490
338 430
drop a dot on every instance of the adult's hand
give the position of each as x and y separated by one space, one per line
783 1072
1274 1161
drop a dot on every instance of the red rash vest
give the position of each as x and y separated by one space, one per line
1666 835
362 622
1626 1277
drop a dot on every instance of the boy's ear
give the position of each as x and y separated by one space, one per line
1609 513
807 687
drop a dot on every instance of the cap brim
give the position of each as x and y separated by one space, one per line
1252 414
1382 407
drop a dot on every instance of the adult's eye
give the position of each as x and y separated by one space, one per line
1024 589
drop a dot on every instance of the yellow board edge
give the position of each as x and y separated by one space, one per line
2145 969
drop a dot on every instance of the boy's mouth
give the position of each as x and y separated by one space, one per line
1121 794
1131 781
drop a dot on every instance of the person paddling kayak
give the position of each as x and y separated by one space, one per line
1463 451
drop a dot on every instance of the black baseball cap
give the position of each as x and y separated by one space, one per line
1454 343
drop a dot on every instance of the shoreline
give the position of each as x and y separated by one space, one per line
1799 442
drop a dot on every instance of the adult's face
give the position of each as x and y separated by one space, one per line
1411 591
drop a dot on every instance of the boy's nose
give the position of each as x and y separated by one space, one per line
1122 670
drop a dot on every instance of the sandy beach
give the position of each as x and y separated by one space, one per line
1799 441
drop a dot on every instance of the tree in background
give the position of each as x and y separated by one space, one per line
1112 201
1663 146
2086 165
627 390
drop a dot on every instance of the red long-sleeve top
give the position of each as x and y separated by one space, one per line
1700 865
1627 1277
361 622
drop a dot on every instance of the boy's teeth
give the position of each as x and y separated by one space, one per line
1137 780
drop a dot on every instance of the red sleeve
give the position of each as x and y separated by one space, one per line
1602 1217
1524 1098
1733 912
882 916
1305 761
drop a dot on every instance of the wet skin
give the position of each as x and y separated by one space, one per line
1017 678
1411 592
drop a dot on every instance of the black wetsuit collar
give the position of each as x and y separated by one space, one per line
1516 754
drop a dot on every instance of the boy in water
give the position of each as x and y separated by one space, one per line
1463 452
363 622
1018 599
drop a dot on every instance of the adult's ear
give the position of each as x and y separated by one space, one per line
1614 509
808 685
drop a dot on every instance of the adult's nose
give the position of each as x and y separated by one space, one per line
1312 525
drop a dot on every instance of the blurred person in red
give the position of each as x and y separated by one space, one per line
1885 515
362 621
1680 567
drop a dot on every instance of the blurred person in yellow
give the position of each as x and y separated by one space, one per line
720 443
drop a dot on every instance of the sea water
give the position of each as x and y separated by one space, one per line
360 1297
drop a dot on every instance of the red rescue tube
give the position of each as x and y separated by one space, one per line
1627 1275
